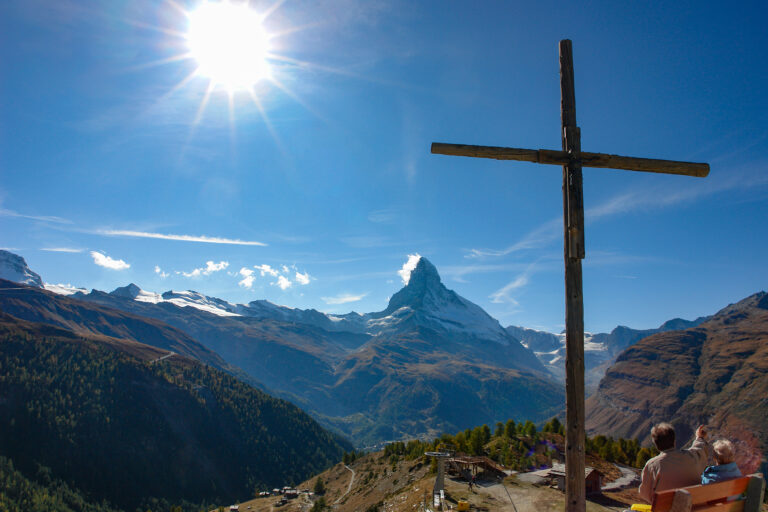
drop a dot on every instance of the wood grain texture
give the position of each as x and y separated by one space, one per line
553 157
702 494
573 231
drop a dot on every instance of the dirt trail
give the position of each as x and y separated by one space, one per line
349 488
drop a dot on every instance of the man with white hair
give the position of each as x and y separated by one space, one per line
726 468
673 468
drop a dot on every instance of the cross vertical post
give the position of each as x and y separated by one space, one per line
573 224
572 160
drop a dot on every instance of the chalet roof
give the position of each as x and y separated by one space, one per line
559 470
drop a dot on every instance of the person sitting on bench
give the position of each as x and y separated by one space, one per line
725 469
673 468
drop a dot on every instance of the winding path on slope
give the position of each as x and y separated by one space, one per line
349 487
166 356
628 477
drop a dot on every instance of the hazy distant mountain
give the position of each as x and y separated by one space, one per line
716 373
14 268
600 350
38 305
112 419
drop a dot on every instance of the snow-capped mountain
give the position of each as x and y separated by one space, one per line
600 349
14 268
430 362
426 302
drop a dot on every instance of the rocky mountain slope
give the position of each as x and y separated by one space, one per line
716 374
431 361
600 350
39 305
113 420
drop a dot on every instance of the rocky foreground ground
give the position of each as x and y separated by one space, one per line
372 483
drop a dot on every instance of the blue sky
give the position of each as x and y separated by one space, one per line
107 157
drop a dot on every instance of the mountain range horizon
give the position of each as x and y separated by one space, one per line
417 353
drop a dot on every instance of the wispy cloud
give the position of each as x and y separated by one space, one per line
344 298
181 238
386 216
459 272
44 218
61 249
302 279
105 261
539 237
160 272
636 200
504 294
209 268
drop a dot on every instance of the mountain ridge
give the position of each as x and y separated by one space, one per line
444 350
715 373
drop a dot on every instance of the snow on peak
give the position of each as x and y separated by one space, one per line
193 299
135 293
186 298
14 268
436 306
64 289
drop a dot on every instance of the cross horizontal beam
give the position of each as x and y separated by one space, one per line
547 156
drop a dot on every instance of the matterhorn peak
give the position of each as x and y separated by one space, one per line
422 285
424 274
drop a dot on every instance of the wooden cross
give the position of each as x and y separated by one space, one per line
573 159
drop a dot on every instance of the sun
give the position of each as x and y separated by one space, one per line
230 45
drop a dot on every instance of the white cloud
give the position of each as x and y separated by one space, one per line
107 262
343 298
183 238
283 273
210 268
10 213
160 272
248 277
283 282
266 269
408 267
61 249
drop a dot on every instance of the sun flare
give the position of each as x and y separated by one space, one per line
230 45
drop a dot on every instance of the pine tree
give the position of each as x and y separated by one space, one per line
319 486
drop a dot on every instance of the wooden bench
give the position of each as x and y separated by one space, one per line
713 497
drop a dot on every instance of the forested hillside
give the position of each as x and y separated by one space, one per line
131 429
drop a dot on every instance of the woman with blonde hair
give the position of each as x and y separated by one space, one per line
726 468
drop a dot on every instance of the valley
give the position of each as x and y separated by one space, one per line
188 379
